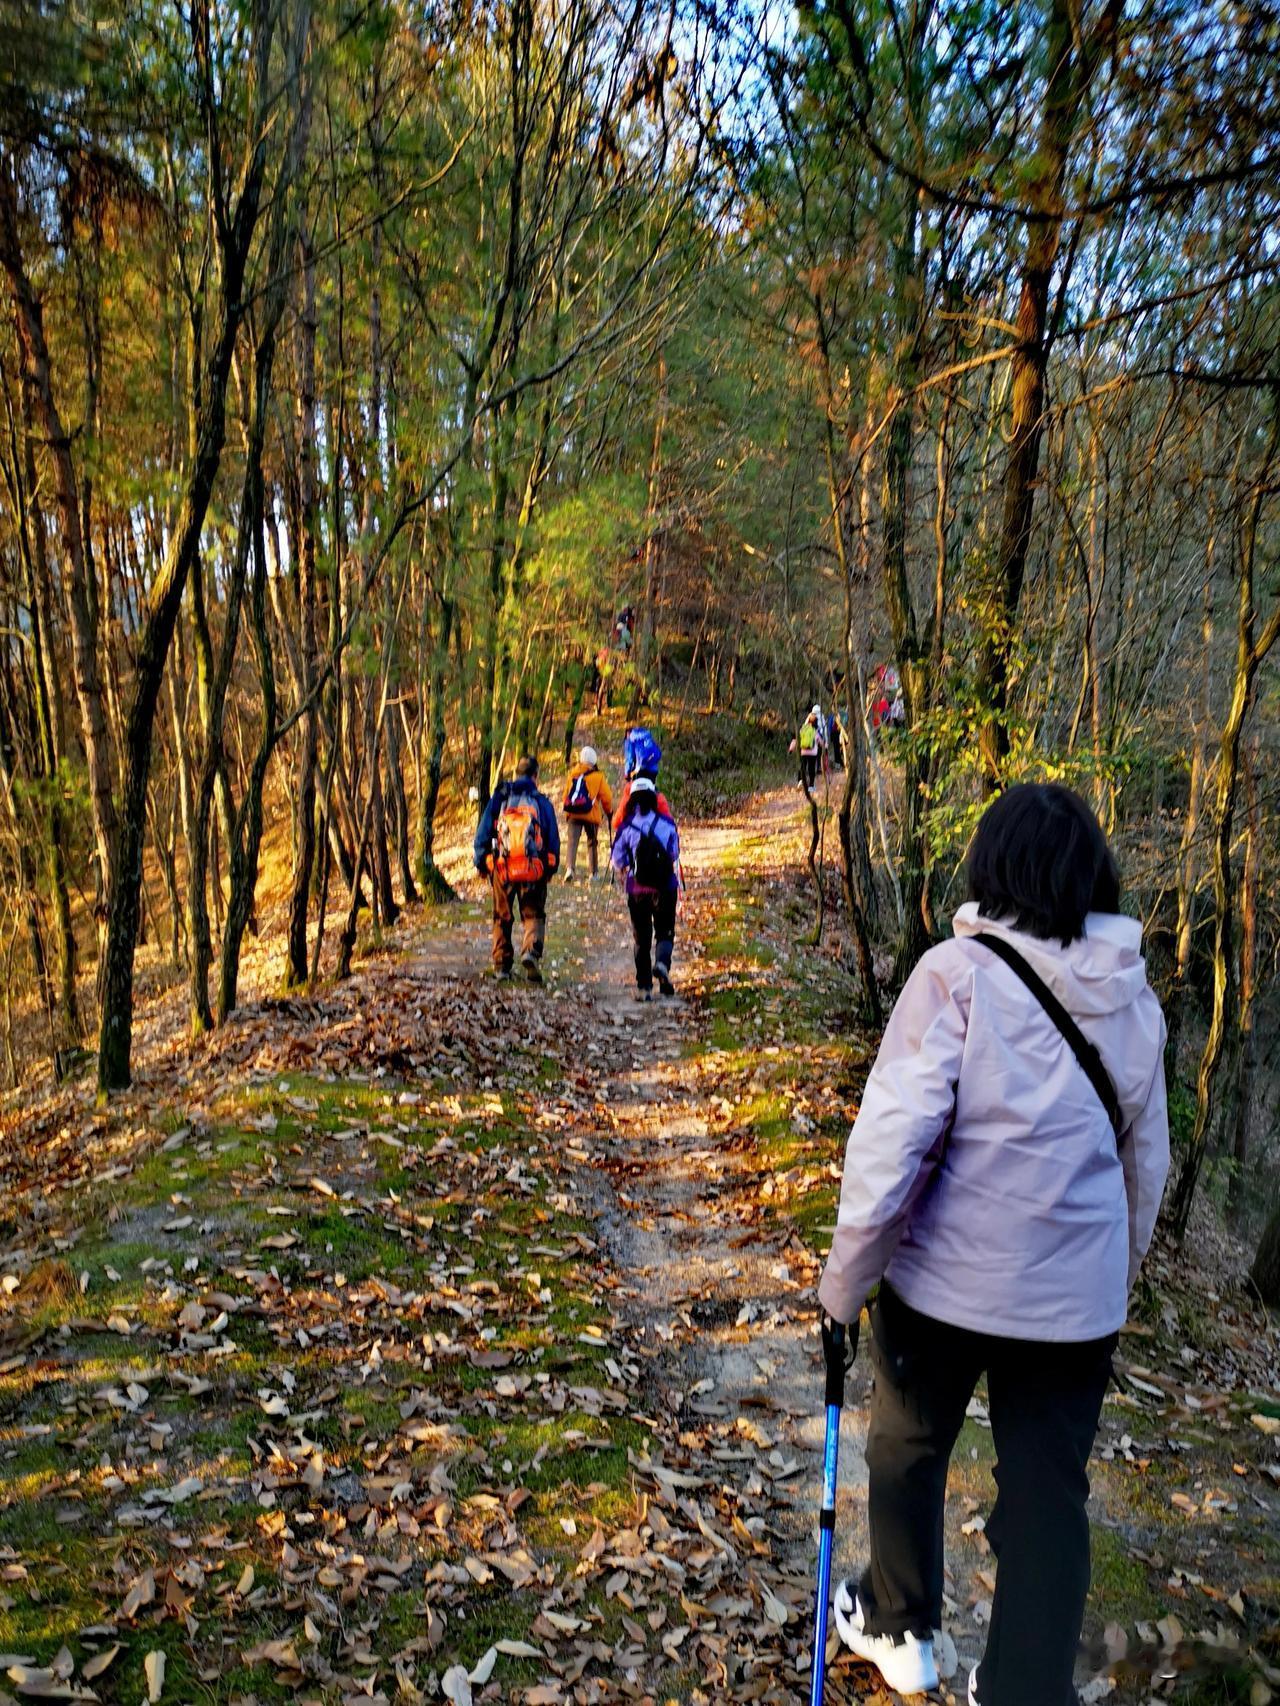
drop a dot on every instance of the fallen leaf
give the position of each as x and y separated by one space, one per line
154 1667
455 1685
100 1662
484 1669
142 1590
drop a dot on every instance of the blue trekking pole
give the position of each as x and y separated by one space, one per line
833 1354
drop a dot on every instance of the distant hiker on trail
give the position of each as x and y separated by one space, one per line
517 846
835 740
887 706
812 742
646 849
641 756
1001 1183
587 804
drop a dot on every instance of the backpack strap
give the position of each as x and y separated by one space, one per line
1086 1054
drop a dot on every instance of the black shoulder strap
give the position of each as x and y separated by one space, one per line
1087 1055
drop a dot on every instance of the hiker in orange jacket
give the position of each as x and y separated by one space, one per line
587 804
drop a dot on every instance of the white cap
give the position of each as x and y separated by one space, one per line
587 755
816 711
643 784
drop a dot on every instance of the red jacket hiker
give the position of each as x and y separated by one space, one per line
664 810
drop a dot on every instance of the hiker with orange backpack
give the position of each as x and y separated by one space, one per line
587 804
517 846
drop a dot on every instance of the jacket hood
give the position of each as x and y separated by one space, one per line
1101 973
522 785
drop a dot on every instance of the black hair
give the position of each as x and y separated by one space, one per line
641 799
527 767
1040 862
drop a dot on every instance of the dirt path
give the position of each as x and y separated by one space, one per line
736 1315
375 1166
725 1306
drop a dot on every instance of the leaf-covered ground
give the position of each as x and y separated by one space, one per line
431 1338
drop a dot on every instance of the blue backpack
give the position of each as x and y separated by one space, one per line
640 752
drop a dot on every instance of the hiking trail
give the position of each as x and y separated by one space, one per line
472 1327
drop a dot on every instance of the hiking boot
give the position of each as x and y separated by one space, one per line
664 980
502 974
569 876
533 971
643 994
904 1661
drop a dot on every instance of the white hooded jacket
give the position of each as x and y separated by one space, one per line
982 1177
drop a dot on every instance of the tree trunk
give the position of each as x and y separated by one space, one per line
246 835
435 886
1252 648
813 860
116 1039
909 653
1176 1004
489 711
243 856
37 375
581 677
1246 1040
304 841
647 629
400 821
851 821
1265 1272
1070 65
50 723
26 874
381 857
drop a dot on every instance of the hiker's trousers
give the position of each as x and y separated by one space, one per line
1044 1401
653 927
530 900
578 827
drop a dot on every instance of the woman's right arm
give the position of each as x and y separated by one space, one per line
908 1103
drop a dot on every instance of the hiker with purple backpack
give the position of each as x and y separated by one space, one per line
1001 1184
646 851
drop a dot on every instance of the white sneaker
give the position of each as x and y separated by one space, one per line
905 1662
973 1686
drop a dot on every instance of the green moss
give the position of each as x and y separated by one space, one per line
975 1444
493 1613
1121 1590
352 1242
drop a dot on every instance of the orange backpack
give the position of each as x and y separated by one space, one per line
520 840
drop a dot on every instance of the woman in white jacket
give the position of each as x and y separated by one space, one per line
1002 1182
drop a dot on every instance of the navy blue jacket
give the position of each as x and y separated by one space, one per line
546 811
